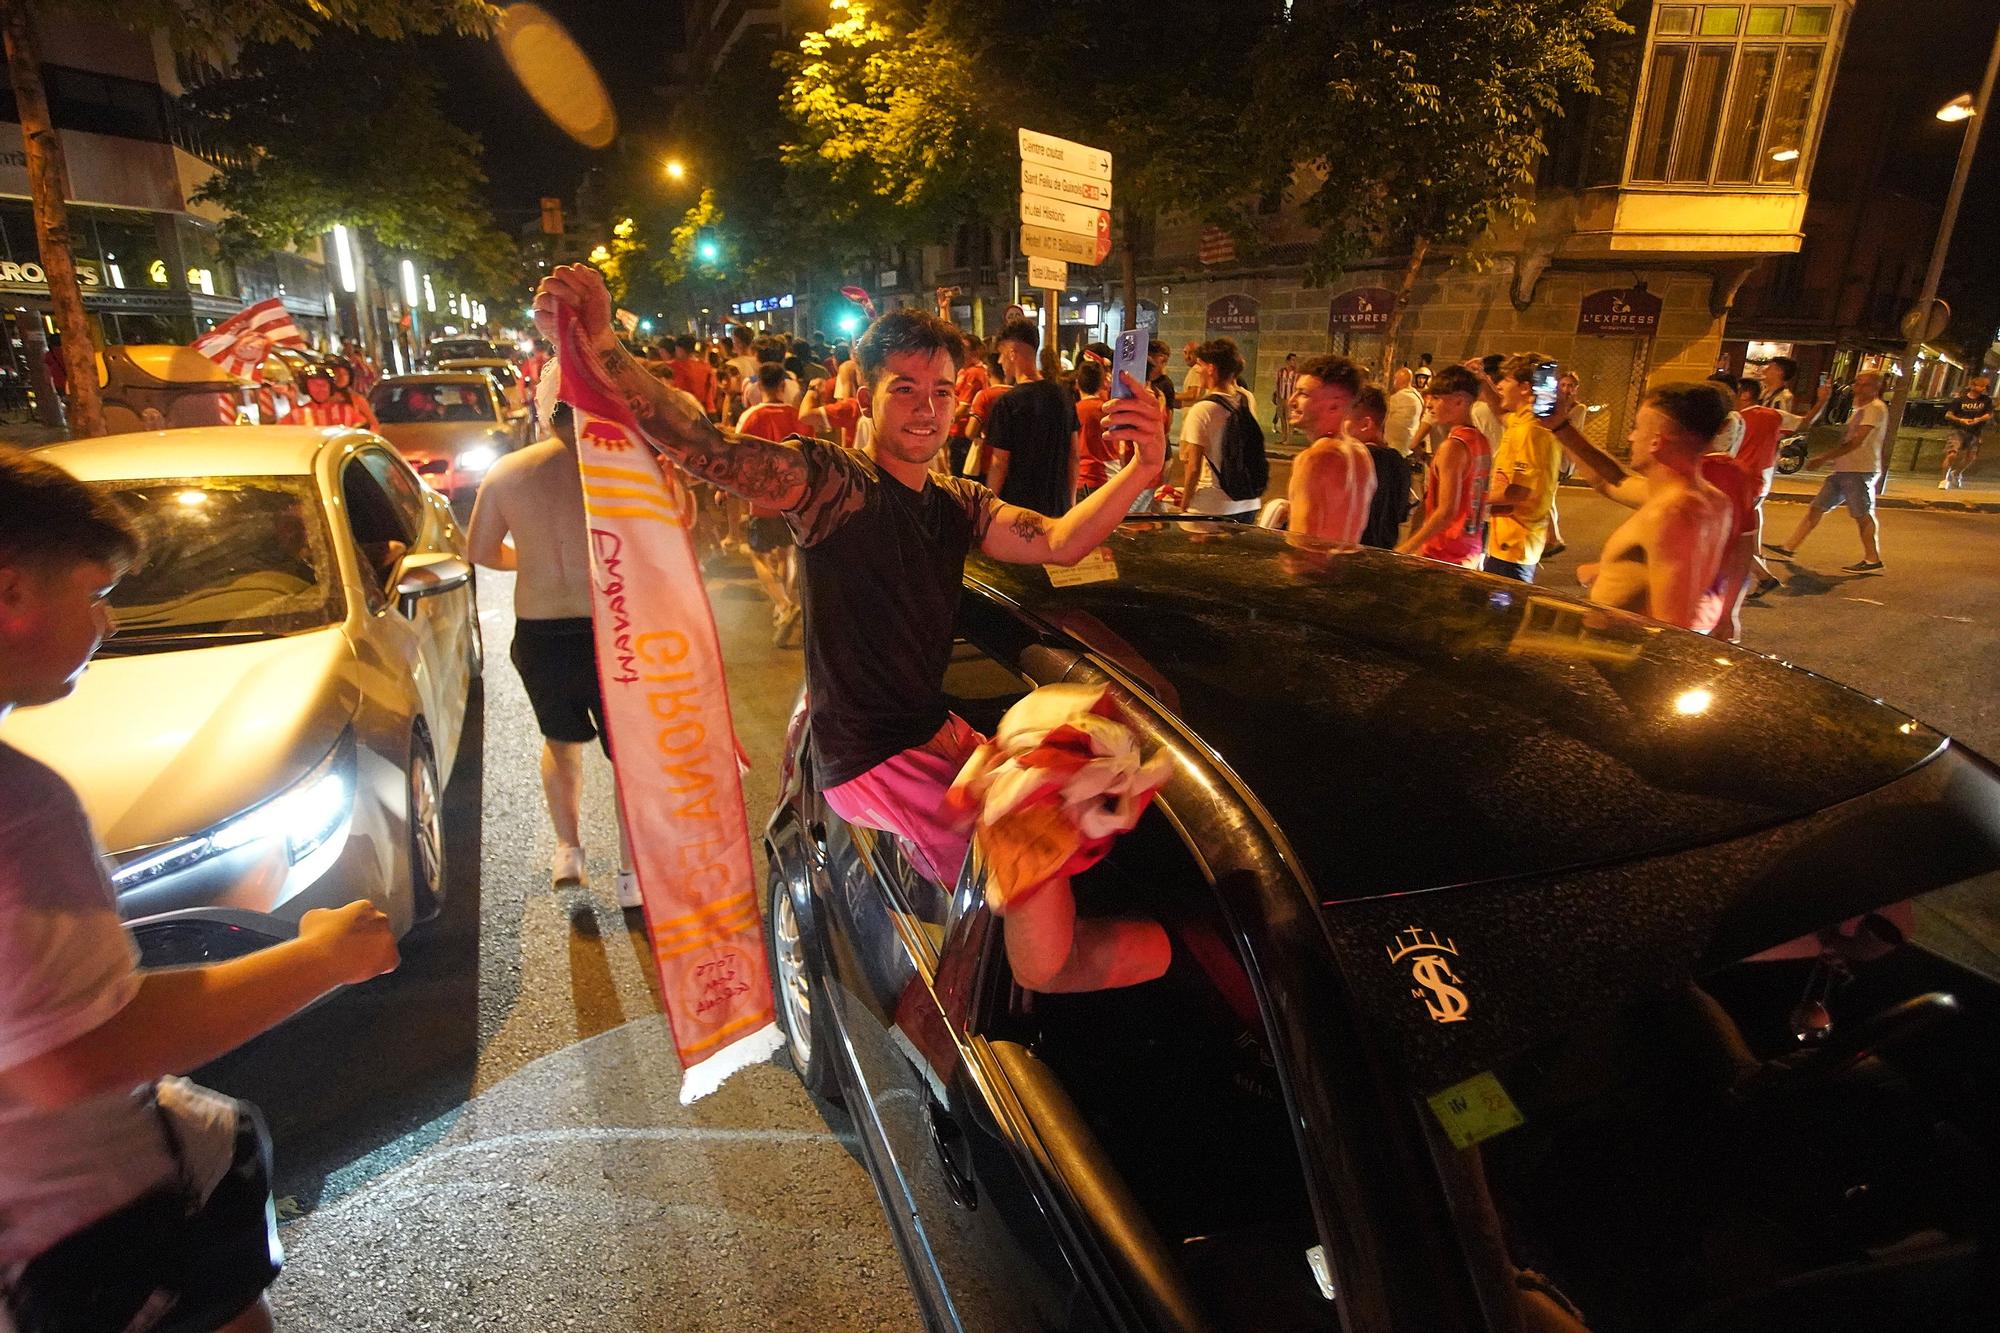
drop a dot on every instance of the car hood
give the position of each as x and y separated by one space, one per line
1412 726
162 745
445 439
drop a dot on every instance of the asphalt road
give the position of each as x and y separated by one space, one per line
490 1138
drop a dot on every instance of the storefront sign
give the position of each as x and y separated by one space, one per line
1363 310
1620 312
1229 316
762 305
28 276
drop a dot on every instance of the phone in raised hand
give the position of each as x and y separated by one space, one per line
1547 377
1128 357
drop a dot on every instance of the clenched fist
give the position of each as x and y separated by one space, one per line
355 940
581 288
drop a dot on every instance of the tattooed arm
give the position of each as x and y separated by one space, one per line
1024 537
762 471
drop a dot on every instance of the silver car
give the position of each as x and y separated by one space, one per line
272 725
451 425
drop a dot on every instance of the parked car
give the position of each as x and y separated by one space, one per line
446 349
451 425
501 370
273 724
1536 967
158 386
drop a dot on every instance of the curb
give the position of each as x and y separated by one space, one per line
1900 502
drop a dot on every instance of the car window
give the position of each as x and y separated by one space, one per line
432 400
405 491
225 556
378 529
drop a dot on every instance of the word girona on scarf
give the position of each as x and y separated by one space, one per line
673 746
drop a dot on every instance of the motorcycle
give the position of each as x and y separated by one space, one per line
1792 453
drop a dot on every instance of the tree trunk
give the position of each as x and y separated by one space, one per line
48 178
1418 248
1128 262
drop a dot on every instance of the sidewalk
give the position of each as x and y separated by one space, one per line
1980 495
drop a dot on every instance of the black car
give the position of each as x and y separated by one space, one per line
1537 967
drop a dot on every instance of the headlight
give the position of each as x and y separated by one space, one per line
476 459
303 816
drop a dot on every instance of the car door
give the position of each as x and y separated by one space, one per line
400 637
978 1236
444 622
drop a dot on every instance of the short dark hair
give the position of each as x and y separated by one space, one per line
1022 331
1725 379
770 349
48 517
1749 386
1785 365
1491 363
1372 402
1291 356
771 376
1521 366
1158 348
741 336
1089 378
1332 368
685 342
1697 407
1222 354
841 351
1454 379
907 330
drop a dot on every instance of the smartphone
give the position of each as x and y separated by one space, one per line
1547 375
1128 357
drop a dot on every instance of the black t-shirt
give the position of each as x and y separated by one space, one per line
880 570
1391 504
1971 405
1036 424
1164 386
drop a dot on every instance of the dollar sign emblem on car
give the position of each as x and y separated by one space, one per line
1437 985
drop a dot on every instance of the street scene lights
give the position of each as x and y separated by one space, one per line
676 169
1957 109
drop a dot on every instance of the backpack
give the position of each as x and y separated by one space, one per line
1244 472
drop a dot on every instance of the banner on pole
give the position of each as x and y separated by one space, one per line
673 745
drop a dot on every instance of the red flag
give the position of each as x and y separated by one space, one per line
860 298
673 746
240 343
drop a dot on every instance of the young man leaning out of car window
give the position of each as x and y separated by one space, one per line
887 747
120 1185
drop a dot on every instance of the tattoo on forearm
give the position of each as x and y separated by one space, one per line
755 469
1028 525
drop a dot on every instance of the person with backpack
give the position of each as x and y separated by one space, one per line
1222 446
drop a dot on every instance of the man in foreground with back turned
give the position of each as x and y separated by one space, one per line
882 546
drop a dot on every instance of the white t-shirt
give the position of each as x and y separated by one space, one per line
67 966
1204 426
1406 408
1866 456
753 392
747 364
1487 422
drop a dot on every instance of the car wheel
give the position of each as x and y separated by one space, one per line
797 996
426 829
478 635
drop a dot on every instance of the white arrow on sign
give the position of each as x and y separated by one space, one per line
1044 243
1048 151
1078 218
1050 275
1051 183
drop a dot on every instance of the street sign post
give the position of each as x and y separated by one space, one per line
1047 243
1048 151
1054 183
1078 219
1048 274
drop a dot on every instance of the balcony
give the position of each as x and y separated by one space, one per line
1684 222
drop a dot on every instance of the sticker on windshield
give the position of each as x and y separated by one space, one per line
1475 1110
1097 567
1437 985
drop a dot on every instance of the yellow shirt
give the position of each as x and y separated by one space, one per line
1527 455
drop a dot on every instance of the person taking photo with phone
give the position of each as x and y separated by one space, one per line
1522 493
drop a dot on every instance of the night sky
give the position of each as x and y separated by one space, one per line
632 43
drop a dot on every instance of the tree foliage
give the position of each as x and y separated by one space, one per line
300 159
1412 121
216 29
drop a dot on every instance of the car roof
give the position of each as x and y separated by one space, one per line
1410 725
224 451
435 377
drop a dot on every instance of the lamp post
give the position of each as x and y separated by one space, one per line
1972 114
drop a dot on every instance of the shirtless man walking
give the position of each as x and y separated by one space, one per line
882 542
1663 560
534 497
1333 479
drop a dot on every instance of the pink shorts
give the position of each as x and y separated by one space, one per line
904 795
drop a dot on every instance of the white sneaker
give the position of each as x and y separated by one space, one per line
628 890
567 867
1945 485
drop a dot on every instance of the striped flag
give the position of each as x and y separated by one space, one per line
240 343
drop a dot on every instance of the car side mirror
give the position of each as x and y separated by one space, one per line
427 574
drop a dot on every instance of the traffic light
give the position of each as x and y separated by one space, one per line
707 248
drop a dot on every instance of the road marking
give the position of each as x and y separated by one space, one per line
1870 600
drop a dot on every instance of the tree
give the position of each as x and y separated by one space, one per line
1416 123
404 173
213 29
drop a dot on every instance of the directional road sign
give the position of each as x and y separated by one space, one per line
1048 151
1047 243
1051 275
1078 218
1053 183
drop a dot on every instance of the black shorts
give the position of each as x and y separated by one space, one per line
768 534
557 660
200 1270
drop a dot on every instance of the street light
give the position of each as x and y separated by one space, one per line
1957 109
345 256
676 169
409 284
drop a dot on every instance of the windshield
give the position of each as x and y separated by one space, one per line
1796 1123
224 556
407 404
463 349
